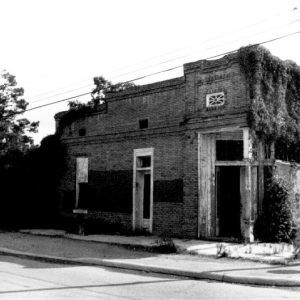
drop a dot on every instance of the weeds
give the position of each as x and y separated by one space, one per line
221 250
165 245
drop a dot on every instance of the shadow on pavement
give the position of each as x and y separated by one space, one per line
62 247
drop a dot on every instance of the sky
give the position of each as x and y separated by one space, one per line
56 47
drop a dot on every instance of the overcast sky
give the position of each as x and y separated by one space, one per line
56 47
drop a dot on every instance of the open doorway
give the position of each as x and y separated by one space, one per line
143 190
143 199
228 201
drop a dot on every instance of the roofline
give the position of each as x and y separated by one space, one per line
146 89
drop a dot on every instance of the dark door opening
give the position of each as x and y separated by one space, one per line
228 201
146 200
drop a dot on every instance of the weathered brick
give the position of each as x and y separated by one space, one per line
176 111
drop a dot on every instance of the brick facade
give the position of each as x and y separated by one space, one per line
176 112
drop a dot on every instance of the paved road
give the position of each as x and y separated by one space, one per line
28 279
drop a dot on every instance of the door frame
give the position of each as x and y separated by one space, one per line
206 179
136 208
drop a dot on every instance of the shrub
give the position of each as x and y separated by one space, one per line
276 224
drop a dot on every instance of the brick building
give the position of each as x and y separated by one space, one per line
173 157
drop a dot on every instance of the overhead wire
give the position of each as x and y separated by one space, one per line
161 55
161 63
155 73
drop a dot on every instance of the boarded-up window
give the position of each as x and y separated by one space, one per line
168 190
110 191
82 169
82 164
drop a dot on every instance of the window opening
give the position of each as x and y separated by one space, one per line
144 161
143 124
229 150
82 132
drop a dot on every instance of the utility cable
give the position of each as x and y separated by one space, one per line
155 73
161 63
161 55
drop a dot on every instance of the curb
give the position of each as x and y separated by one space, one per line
150 247
155 248
221 277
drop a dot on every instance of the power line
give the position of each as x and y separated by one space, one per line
55 102
170 52
161 63
62 93
156 73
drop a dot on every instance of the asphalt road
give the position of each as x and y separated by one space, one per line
28 279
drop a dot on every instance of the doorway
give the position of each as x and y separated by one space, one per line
143 190
143 193
228 202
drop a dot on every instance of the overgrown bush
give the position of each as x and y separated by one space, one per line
276 224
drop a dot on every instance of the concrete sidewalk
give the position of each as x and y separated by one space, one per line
263 252
88 252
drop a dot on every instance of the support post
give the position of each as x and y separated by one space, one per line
247 226
272 150
261 183
206 185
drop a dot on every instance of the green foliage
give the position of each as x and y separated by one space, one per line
78 110
274 91
277 224
13 130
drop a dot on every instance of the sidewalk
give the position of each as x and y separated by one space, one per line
102 251
264 252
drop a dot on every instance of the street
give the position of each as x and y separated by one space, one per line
22 278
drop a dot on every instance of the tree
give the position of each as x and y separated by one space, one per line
78 110
14 145
13 129
102 88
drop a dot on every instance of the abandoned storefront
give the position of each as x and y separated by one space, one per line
177 157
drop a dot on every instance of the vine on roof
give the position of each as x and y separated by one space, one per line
274 91
78 110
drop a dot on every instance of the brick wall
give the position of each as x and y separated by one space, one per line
206 77
176 112
116 159
161 103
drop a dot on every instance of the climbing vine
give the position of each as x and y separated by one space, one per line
274 91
